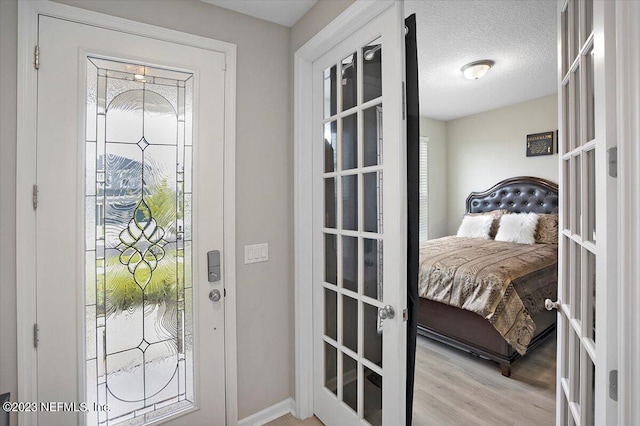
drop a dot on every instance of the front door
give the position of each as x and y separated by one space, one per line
359 227
129 202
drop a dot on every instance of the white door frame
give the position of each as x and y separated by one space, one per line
628 115
28 12
352 19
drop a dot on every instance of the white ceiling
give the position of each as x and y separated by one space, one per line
283 12
519 35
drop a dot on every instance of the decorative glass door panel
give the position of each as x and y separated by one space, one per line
356 114
139 299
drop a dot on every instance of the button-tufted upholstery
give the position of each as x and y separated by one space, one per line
523 194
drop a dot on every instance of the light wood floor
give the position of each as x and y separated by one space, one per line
455 388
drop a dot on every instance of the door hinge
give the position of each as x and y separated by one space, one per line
35 335
36 57
613 161
404 102
613 384
224 66
35 196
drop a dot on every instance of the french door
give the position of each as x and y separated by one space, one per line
359 227
128 201
587 336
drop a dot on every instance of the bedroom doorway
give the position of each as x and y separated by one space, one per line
471 151
128 315
583 106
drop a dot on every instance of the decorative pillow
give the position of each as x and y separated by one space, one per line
518 228
475 226
547 232
496 219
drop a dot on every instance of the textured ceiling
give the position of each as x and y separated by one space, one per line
283 12
519 35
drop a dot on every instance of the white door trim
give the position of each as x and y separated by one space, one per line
352 19
628 112
28 12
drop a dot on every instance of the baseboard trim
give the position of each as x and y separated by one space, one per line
270 413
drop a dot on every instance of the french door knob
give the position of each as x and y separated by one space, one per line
387 312
214 295
550 305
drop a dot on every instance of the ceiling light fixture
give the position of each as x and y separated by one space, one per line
477 69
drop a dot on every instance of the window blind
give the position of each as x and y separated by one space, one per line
424 189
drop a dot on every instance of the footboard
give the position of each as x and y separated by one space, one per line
470 332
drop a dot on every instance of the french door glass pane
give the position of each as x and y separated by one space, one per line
588 17
589 400
577 195
331 259
331 314
566 198
349 145
350 202
372 70
576 281
349 68
331 368
590 96
350 382
576 384
330 202
138 305
372 335
372 266
574 8
577 127
372 397
350 323
331 146
591 195
372 200
330 91
565 41
372 136
591 293
350 263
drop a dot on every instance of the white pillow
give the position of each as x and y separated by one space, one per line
475 226
518 228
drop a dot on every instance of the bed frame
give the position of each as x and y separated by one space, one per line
467 330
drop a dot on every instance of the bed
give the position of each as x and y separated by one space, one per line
456 276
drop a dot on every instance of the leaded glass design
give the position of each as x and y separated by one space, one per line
138 296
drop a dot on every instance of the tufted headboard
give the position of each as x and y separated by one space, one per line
522 194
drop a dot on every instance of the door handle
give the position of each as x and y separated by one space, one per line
387 312
550 305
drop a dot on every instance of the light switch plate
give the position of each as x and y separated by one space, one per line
256 253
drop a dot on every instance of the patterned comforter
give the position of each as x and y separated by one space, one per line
505 283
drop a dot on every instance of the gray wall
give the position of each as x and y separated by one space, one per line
436 131
264 185
485 148
316 18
